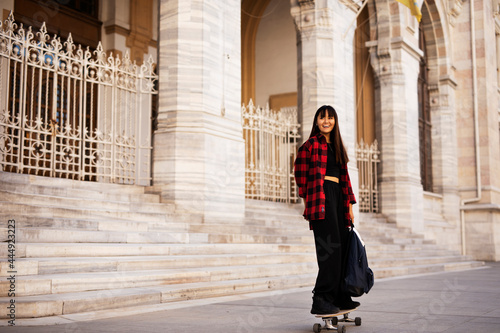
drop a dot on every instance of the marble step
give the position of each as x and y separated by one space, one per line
97 205
384 272
41 266
27 212
172 224
236 233
31 285
79 302
301 230
65 303
91 223
391 255
267 210
13 209
418 261
34 250
383 234
395 240
46 235
387 232
275 217
97 193
372 246
60 265
252 204
16 178
125 249
385 228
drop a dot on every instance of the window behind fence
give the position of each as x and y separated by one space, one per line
271 139
72 113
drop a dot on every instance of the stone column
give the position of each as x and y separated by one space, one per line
325 67
198 152
444 158
315 61
396 67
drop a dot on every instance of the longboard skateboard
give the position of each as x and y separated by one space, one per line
331 321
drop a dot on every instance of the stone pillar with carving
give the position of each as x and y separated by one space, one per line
326 68
444 155
395 64
198 150
315 63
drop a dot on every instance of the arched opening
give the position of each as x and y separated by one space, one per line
251 13
424 118
269 54
365 99
366 149
269 77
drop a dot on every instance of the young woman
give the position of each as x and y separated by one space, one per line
323 180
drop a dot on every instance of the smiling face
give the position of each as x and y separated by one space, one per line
325 124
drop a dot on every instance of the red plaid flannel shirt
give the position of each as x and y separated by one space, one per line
310 170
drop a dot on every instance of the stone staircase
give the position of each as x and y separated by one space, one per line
394 251
83 247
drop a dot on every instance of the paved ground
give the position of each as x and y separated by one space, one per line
467 301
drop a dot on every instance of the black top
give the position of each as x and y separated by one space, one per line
332 167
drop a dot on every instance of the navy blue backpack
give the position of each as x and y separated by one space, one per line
359 277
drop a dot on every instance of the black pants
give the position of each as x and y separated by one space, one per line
331 238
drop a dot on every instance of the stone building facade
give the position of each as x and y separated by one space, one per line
427 91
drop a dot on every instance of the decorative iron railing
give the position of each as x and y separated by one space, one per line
271 139
66 113
367 159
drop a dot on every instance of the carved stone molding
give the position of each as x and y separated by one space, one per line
303 15
306 4
454 11
386 63
308 18
435 98
352 5
496 15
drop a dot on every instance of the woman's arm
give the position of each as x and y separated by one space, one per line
301 169
351 197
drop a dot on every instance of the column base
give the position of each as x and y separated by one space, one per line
201 169
402 203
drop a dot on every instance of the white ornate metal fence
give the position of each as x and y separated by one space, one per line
367 159
72 113
271 139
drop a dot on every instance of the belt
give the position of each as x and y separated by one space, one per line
332 179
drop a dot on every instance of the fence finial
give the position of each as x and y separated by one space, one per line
9 22
127 62
70 46
100 54
10 18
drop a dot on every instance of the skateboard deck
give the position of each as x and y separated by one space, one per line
331 321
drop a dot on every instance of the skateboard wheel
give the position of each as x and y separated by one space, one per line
357 321
342 329
335 320
317 328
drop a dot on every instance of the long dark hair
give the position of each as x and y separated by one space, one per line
335 137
